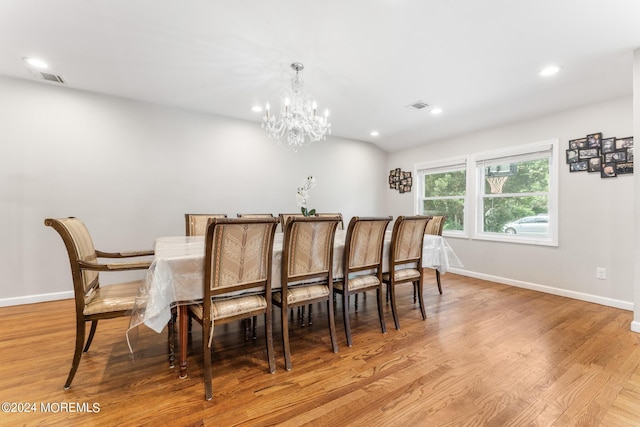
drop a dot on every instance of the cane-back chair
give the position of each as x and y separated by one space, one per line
362 264
405 259
237 281
435 227
196 224
307 271
339 215
255 215
92 301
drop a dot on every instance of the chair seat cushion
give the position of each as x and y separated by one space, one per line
404 275
221 309
303 293
359 282
110 298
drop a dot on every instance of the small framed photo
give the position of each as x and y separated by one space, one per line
572 156
608 145
593 140
577 143
579 166
608 170
622 143
630 154
624 168
588 153
616 157
595 164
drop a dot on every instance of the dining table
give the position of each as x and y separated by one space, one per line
175 279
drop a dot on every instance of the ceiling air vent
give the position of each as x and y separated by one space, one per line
418 105
52 77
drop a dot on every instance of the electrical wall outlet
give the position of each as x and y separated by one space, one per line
601 273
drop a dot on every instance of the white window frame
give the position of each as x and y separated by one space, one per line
440 166
473 212
517 153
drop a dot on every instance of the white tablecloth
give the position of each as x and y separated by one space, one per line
176 274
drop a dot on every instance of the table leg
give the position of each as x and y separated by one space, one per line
183 337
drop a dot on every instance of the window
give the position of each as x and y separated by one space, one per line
442 190
516 196
508 195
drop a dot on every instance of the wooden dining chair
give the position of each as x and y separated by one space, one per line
258 215
237 281
339 215
92 301
283 217
435 227
196 224
362 264
307 272
405 259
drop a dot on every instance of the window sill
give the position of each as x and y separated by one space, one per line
510 238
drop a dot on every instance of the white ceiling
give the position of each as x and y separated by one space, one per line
365 60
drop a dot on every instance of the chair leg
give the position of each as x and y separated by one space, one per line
415 293
438 280
345 315
420 286
254 323
208 387
246 326
332 325
356 301
92 332
80 331
310 312
391 290
285 339
380 313
268 331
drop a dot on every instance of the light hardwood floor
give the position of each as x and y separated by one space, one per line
487 355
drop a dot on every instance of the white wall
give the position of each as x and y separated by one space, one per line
131 170
595 215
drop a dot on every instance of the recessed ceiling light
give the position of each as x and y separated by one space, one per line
436 110
549 71
256 108
375 133
35 62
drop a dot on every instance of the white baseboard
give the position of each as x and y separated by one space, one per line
635 326
609 302
32 299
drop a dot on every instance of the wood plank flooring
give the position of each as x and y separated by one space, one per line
487 355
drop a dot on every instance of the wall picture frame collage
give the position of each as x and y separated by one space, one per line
608 157
400 180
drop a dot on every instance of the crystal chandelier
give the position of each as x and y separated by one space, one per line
299 124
